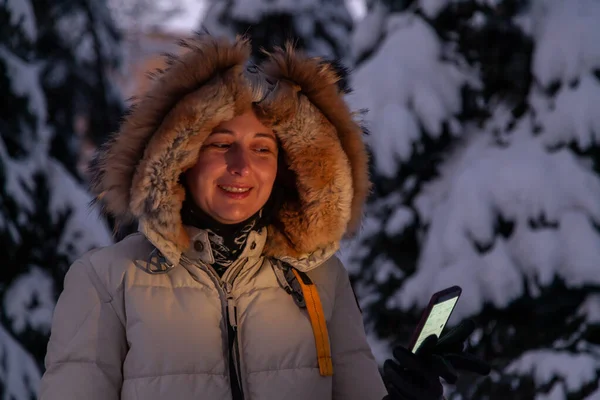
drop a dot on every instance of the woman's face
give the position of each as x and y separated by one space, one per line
236 169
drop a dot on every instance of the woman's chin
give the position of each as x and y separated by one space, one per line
232 216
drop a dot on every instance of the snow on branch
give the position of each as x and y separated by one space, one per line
407 86
18 371
550 200
29 301
572 116
572 371
21 13
85 229
566 35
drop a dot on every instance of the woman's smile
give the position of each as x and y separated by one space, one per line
235 192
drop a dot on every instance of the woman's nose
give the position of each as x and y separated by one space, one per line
238 162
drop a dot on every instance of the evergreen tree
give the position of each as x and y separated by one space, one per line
486 162
78 42
320 27
45 222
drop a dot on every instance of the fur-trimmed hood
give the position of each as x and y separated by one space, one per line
136 174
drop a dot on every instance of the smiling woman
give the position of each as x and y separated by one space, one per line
243 181
235 171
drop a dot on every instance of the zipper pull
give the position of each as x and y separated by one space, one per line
232 312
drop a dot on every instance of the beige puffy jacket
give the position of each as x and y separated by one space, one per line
147 318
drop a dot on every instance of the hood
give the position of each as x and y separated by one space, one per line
136 174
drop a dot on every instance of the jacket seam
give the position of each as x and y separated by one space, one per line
83 322
337 285
173 374
281 369
352 352
96 281
102 366
71 361
103 293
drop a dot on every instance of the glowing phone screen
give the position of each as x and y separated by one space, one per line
436 320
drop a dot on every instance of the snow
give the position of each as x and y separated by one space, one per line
381 348
367 32
18 178
84 230
526 176
322 26
73 29
389 146
19 375
357 8
566 35
572 370
252 11
385 269
401 218
405 86
21 13
431 8
353 248
193 12
24 81
188 19
29 297
33 288
572 116
520 182
590 308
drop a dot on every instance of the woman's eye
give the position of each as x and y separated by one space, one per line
220 145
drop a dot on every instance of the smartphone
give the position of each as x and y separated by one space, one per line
435 316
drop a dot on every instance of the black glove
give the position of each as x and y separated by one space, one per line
416 376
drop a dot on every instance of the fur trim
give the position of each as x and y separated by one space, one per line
136 174
324 149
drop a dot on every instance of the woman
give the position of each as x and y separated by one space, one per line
239 178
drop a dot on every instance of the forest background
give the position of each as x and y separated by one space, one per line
484 120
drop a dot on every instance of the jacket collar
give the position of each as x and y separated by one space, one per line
200 249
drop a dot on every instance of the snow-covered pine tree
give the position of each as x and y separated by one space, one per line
412 87
78 42
45 222
508 207
320 27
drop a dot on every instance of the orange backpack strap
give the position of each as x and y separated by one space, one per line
317 320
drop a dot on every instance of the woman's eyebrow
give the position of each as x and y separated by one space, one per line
266 135
258 134
222 130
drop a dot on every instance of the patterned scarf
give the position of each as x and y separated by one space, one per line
227 240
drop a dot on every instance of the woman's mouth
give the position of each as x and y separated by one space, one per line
235 192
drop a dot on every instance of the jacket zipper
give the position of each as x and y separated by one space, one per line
229 310
234 349
234 352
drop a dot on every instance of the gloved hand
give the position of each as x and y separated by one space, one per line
416 376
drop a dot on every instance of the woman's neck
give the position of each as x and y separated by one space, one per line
227 240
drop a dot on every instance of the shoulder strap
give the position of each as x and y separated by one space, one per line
317 320
305 294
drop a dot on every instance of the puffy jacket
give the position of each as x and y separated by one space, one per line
147 318
121 332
